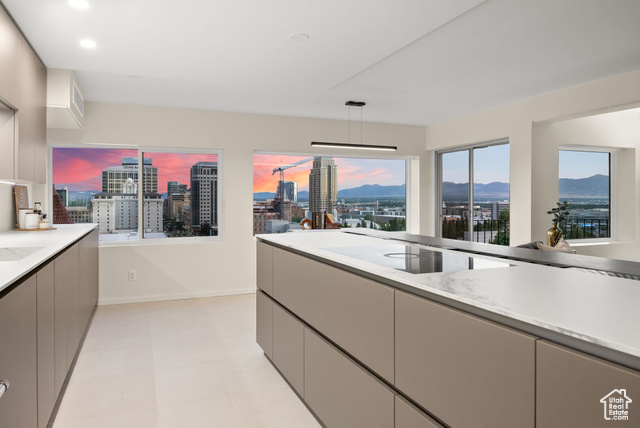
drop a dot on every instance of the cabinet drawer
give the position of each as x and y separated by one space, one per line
571 384
290 273
340 392
264 323
466 371
409 416
288 347
264 267
355 312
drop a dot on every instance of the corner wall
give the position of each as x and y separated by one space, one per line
172 270
517 122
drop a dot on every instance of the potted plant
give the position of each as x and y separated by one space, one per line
559 212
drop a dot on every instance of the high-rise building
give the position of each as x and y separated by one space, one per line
204 194
323 185
175 192
114 177
290 190
63 194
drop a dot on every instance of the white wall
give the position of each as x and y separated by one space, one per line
170 270
517 122
620 130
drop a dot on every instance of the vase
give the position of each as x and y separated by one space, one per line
553 235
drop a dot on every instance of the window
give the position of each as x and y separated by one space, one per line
585 183
473 200
342 192
180 191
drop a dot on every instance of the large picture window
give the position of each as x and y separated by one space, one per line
473 200
585 183
341 191
179 192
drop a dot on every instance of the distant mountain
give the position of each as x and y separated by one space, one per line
596 186
372 191
364 191
460 191
261 196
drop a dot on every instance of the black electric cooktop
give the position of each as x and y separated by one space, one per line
416 260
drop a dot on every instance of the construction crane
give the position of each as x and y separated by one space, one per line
280 195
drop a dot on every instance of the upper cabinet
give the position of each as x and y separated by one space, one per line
65 102
23 89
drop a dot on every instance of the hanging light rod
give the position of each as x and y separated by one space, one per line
348 144
353 146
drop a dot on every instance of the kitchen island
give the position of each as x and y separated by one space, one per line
443 335
48 293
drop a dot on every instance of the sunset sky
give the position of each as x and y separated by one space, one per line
81 169
351 172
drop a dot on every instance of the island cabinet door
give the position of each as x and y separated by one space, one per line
409 416
290 273
264 268
288 347
264 323
88 278
18 356
340 392
46 343
355 313
578 390
465 371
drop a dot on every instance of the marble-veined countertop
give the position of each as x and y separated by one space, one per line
22 252
593 313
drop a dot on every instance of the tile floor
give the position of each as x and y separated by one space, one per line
186 363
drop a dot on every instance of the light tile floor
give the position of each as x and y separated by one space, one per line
184 363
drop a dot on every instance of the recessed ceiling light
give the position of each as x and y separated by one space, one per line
89 44
298 37
79 4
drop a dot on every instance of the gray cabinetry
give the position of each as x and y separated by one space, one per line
290 272
466 371
88 277
288 347
9 57
18 359
264 268
264 323
409 416
356 313
46 343
341 392
571 385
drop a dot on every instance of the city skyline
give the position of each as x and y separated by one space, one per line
80 169
352 172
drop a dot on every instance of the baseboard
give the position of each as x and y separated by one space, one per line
177 296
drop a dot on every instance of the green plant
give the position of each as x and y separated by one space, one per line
559 212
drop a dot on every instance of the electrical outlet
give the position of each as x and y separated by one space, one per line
133 277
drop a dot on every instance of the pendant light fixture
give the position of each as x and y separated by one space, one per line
348 144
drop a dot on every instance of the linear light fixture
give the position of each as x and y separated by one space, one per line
348 144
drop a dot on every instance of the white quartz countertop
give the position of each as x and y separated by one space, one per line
592 312
22 252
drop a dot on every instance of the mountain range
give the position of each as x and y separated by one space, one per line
596 186
364 191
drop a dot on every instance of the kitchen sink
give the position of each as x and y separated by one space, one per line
14 254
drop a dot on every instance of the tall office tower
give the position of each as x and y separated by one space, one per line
114 177
174 188
323 185
290 190
63 194
204 194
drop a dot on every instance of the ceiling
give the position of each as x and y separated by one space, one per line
413 61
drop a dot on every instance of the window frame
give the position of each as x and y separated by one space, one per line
469 148
612 151
407 172
141 150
